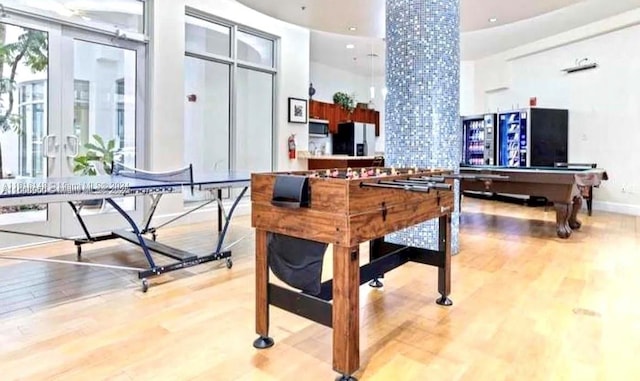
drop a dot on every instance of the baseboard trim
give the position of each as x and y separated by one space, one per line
615 207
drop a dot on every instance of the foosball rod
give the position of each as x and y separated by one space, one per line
434 179
406 186
424 183
480 177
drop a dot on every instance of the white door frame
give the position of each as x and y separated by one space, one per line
104 222
51 226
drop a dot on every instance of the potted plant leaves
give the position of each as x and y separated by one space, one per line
97 159
345 101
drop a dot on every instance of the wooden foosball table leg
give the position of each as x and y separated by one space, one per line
444 271
346 311
262 296
374 253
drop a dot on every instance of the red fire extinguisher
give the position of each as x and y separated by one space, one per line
291 142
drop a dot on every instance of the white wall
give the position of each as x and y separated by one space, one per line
166 89
467 88
328 80
603 104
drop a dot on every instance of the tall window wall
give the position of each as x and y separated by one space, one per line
229 88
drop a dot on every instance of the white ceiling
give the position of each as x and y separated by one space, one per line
518 22
336 16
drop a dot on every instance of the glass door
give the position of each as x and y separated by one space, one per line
66 95
29 143
102 120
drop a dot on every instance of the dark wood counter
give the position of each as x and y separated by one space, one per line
330 162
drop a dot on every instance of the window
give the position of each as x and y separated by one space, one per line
120 113
123 15
32 128
81 109
229 97
207 139
254 106
254 49
207 37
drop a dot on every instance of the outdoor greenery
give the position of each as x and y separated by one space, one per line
31 48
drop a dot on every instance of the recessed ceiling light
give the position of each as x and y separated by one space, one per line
350 46
493 19
352 28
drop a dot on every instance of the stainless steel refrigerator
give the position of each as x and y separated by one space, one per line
478 147
354 139
532 137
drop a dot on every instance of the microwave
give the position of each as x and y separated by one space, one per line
318 127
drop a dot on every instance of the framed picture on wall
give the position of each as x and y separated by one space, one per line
297 110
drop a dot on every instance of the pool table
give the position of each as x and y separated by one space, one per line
564 187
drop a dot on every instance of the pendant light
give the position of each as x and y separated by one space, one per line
372 89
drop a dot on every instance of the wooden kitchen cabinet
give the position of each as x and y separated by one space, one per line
360 115
314 110
336 114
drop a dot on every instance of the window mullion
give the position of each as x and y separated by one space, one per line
233 102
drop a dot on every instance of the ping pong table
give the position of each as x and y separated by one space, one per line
131 182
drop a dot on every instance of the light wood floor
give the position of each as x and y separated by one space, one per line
527 306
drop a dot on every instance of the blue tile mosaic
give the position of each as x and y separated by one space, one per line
422 124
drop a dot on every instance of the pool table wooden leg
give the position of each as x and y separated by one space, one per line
573 218
562 219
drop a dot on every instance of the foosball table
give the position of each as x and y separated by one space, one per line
296 215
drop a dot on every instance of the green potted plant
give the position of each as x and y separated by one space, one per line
98 159
344 100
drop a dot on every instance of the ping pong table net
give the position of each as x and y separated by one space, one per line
182 176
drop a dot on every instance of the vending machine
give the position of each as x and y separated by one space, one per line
533 137
513 139
478 145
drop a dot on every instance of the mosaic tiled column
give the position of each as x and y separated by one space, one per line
422 125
